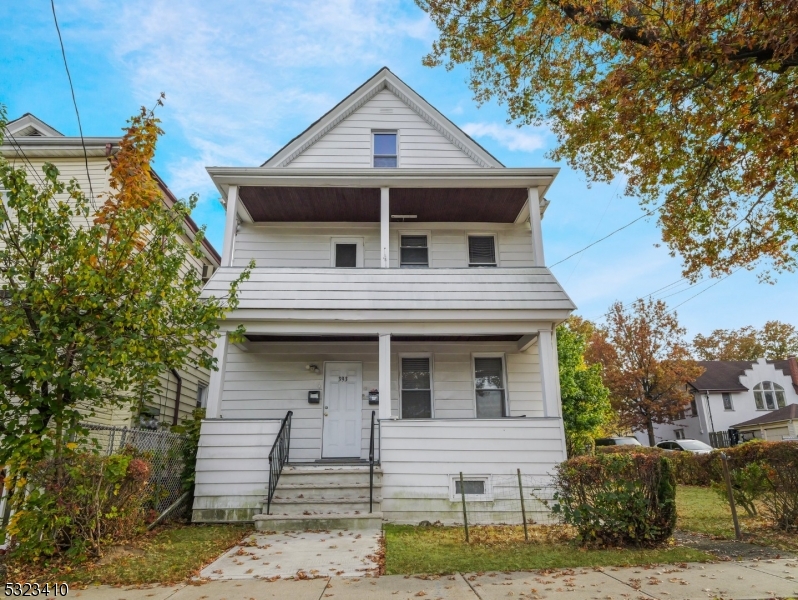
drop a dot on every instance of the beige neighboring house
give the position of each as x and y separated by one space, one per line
29 143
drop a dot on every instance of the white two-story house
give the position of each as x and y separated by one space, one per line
399 301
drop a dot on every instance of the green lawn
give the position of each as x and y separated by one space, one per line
410 549
702 510
168 555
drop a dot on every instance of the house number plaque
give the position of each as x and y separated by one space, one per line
343 378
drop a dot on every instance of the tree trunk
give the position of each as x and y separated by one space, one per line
650 428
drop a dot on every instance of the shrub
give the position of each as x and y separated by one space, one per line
79 503
779 464
618 497
628 450
749 483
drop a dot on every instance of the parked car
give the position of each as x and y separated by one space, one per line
617 441
694 446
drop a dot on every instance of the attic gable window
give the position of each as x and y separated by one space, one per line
385 149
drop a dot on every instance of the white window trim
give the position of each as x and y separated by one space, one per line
731 402
486 497
402 232
398 147
428 355
358 241
493 234
502 355
204 385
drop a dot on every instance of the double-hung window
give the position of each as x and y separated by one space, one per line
416 391
727 402
489 384
413 251
481 251
202 395
386 153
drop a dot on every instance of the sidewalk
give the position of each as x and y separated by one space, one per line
747 580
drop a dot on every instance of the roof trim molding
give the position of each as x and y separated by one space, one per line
382 80
27 121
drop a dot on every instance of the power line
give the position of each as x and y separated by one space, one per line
705 289
74 103
609 235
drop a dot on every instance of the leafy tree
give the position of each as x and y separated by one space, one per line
693 102
646 364
585 400
96 302
776 340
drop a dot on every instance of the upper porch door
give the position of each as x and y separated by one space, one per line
343 410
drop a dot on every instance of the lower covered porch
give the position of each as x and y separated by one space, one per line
483 405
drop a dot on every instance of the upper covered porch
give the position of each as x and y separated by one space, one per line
379 201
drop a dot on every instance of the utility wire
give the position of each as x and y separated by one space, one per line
74 103
609 235
705 289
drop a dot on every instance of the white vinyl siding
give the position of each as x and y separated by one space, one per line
349 144
233 468
270 379
420 458
308 244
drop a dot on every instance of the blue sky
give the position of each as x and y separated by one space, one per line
243 78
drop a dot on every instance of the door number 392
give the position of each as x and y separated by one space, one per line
343 378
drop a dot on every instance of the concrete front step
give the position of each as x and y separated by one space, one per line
297 491
327 474
302 506
339 520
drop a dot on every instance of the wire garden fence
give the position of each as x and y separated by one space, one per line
519 499
163 449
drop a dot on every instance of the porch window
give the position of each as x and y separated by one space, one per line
489 384
416 392
345 255
481 251
385 154
413 251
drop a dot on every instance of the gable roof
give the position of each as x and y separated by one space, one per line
721 375
724 375
384 79
783 414
29 125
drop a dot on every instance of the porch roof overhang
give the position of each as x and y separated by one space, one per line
353 195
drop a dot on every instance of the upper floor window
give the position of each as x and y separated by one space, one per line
769 395
413 251
481 251
385 149
727 402
202 395
693 408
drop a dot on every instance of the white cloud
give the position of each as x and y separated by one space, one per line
515 139
240 78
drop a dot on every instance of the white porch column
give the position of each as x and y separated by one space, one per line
385 219
385 376
216 384
537 231
549 373
230 226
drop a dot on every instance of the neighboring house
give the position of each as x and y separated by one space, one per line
399 270
30 143
777 425
732 392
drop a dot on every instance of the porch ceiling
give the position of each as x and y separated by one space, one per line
375 339
361 204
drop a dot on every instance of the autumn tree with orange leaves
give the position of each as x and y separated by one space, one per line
693 102
96 300
646 364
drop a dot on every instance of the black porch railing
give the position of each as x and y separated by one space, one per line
279 456
371 462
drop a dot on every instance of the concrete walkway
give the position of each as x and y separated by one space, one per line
728 580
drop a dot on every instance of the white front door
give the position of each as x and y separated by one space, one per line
343 410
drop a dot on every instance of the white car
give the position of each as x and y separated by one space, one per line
694 446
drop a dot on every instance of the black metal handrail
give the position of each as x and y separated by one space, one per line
279 456
371 462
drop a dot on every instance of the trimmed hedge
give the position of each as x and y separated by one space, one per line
618 498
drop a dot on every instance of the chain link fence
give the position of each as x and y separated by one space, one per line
163 450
